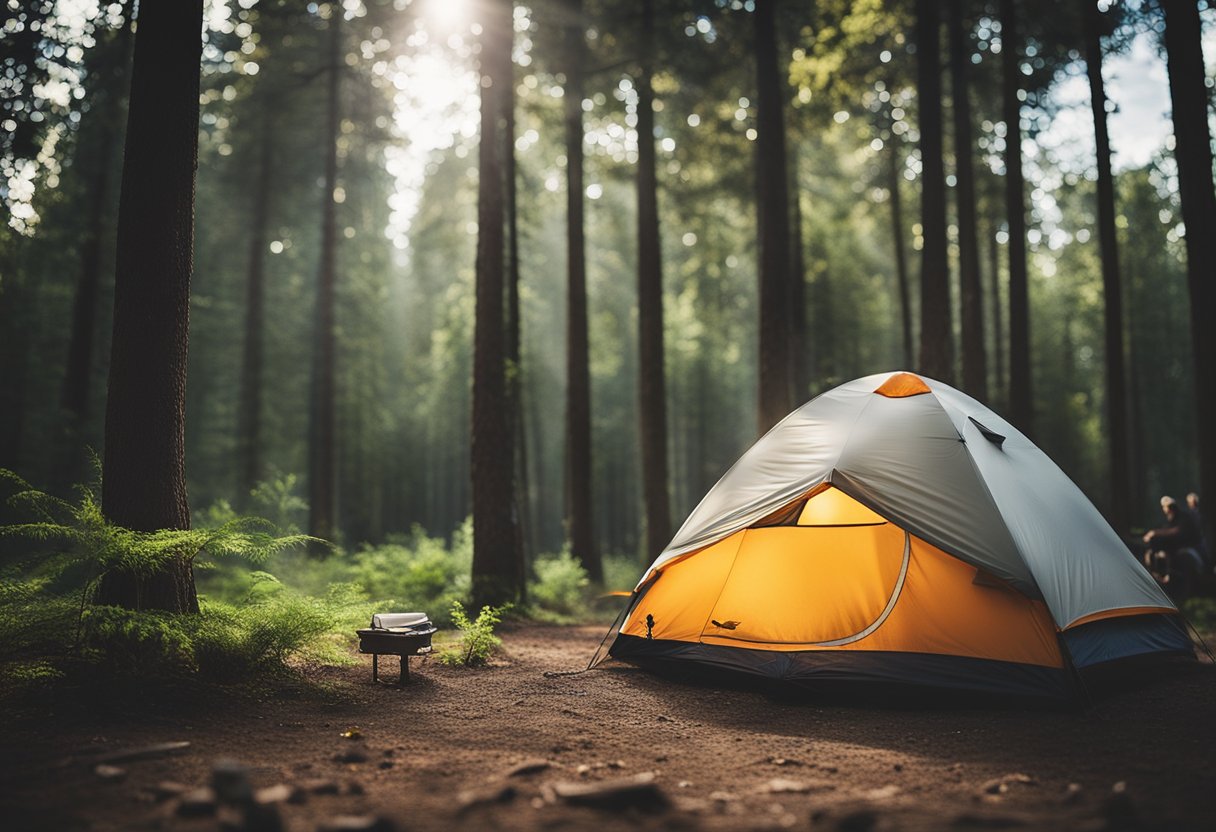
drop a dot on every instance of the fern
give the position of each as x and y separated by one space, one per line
477 642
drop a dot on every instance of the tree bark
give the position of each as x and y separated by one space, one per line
936 342
1021 403
998 326
1112 283
772 224
497 577
77 381
652 382
249 408
901 262
578 372
1193 152
975 360
515 403
322 473
799 359
144 486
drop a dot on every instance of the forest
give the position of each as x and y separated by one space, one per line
312 310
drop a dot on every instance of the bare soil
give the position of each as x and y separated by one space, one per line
439 753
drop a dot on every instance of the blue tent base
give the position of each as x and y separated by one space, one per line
877 676
1125 637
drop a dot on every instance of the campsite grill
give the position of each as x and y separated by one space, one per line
401 634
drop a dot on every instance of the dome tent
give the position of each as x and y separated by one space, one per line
896 530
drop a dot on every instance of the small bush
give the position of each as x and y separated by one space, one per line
560 588
477 641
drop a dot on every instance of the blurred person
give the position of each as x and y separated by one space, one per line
1165 557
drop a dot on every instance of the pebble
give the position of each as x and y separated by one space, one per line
323 786
356 823
528 767
487 797
111 774
1072 794
197 803
281 793
353 756
230 781
781 786
639 791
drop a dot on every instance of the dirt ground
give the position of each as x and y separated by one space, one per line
440 754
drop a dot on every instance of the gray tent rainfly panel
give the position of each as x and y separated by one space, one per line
931 463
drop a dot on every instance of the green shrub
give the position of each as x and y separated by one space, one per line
477 641
139 643
561 585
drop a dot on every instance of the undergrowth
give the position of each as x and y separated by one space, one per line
266 605
477 640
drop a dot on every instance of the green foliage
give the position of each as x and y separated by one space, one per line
560 588
1201 612
477 642
48 627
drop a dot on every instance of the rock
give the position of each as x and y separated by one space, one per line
321 786
1000 785
230 780
386 764
356 823
665 718
637 792
882 793
528 767
781 786
722 797
110 774
352 756
143 752
197 803
899 766
616 764
166 789
487 797
785 761
355 787
1072 794
281 793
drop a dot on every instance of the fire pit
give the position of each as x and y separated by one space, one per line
401 634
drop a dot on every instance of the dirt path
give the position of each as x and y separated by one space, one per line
723 759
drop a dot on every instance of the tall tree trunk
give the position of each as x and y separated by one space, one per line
936 341
998 327
975 361
144 485
322 473
800 373
901 262
1021 403
1193 152
652 383
772 223
497 576
77 382
515 404
578 371
249 410
15 348
1112 283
